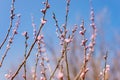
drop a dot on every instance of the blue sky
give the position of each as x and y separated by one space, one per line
79 9
106 15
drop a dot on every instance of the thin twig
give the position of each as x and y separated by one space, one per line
62 56
84 41
65 47
26 45
66 16
91 45
85 50
66 60
11 22
36 65
39 31
11 40
105 57
56 23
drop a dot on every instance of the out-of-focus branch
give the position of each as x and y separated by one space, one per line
25 34
105 67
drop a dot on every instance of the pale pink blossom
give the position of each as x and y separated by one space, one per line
7 76
18 15
24 33
101 74
88 56
91 45
33 75
84 42
8 46
33 70
14 31
60 75
82 26
107 67
10 40
81 32
83 73
43 50
40 37
42 78
43 21
24 76
75 28
92 12
67 40
43 11
48 6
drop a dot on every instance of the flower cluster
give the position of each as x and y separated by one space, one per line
47 6
93 36
41 57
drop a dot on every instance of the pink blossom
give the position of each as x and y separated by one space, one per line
33 75
40 37
60 75
14 31
82 26
24 76
107 67
84 42
7 76
92 12
101 73
43 21
43 50
82 75
24 33
81 32
88 56
8 46
43 11
42 78
48 6
10 40
91 45
67 40
75 28
92 18
93 24
33 25
18 15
